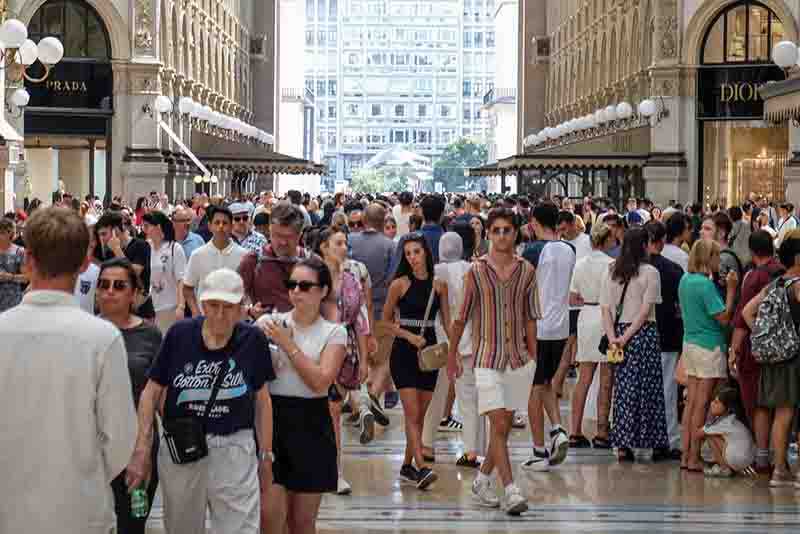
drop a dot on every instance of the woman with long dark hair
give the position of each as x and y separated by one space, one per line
167 266
628 297
411 290
117 288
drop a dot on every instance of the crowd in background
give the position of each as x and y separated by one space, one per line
328 302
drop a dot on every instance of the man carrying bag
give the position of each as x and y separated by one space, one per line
211 374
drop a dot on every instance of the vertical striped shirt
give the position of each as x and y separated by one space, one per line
499 310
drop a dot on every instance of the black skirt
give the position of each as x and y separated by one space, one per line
404 366
304 445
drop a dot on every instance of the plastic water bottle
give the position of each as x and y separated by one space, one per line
139 504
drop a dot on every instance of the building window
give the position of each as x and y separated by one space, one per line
478 39
309 37
422 110
400 110
376 110
76 25
467 112
331 112
310 85
468 39
320 88
331 87
333 9
745 32
353 110
467 88
490 39
445 111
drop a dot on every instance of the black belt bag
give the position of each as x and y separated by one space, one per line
186 436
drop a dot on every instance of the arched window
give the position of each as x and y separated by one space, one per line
76 24
744 32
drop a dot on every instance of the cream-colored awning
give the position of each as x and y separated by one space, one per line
781 100
556 161
487 170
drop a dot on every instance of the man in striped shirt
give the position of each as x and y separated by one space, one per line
501 300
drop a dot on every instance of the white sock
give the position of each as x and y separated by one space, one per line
482 479
510 488
557 427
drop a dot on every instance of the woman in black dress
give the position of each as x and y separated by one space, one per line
405 307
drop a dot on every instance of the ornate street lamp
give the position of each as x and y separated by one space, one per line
19 52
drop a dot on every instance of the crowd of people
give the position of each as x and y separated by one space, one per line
254 327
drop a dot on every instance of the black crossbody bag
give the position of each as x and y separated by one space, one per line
602 347
186 436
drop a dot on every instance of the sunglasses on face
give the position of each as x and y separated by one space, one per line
356 224
502 230
241 218
118 285
304 285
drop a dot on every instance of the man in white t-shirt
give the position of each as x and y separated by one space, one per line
554 261
582 243
220 252
86 287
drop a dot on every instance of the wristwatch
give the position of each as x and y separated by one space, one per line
266 455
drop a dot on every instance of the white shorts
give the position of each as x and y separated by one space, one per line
504 390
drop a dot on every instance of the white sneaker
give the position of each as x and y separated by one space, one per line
484 494
343 487
513 501
537 463
559 446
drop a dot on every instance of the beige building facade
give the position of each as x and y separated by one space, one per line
91 127
699 61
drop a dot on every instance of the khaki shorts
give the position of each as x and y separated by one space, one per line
504 390
704 363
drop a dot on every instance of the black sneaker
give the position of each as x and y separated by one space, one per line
347 408
409 473
380 416
425 478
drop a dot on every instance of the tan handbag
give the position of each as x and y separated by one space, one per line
433 357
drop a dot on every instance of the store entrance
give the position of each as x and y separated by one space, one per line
78 165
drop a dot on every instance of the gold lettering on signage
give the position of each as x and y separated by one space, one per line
738 92
67 86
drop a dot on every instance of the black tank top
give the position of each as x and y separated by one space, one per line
412 306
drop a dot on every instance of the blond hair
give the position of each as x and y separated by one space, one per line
700 256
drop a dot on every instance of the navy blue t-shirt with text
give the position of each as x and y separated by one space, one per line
187 368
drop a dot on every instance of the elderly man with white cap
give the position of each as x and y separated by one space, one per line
243 232
209 384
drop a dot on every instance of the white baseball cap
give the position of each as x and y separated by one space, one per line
239 207
223 284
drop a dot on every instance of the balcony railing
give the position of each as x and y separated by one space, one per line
499 95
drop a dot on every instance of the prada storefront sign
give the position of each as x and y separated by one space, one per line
73 84
731 92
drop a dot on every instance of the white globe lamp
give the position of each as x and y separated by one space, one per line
51 51
13 33
20 98
784 54
163 104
